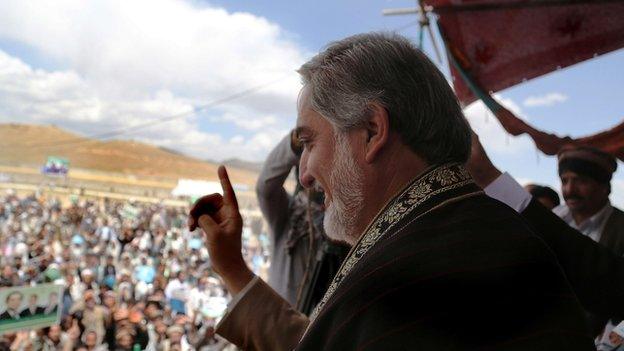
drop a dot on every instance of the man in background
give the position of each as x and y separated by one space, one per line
544 194
586 184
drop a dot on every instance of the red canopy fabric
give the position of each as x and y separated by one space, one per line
501 43
495 44
610 141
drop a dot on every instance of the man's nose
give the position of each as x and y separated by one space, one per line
305 178
569 189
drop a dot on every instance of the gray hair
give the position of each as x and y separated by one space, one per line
386 68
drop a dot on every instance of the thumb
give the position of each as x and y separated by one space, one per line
208 225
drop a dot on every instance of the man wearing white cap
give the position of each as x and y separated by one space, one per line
87 278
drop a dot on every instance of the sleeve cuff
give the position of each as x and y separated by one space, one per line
508 191
236 298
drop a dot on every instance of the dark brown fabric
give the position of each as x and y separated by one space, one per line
468 275
595 272
613 234
263 321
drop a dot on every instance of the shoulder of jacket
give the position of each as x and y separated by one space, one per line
617 215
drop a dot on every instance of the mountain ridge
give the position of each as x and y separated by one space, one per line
29 145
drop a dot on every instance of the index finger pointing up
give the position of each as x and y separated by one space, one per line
228 192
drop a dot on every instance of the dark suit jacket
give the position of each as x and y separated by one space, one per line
6 316
54 310
613 233
469 275
594 271
26 312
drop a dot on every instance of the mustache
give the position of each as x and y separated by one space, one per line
573 197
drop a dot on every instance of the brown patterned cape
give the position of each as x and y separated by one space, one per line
444 267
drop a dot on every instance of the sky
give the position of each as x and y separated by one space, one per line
216 79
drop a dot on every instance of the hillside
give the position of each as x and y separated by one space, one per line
30 145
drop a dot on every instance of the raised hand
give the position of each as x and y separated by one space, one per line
479 165
218 216
74 331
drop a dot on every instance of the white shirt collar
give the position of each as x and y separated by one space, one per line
592 226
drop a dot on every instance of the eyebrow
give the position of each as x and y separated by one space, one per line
303 130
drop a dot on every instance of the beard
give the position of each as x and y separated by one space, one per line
346 184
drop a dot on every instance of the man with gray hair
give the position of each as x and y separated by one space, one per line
435 263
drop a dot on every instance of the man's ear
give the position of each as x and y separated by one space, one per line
377 129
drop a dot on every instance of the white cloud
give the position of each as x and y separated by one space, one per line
129 47
213 146
494 138
131 62
617 192
237 139
246 120
545 100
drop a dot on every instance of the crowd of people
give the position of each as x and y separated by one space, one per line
132 275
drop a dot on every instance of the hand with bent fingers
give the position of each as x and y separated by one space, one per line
218 216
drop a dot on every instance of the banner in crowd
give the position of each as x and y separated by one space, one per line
29 307
56 166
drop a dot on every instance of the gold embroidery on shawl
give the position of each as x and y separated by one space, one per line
433 182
